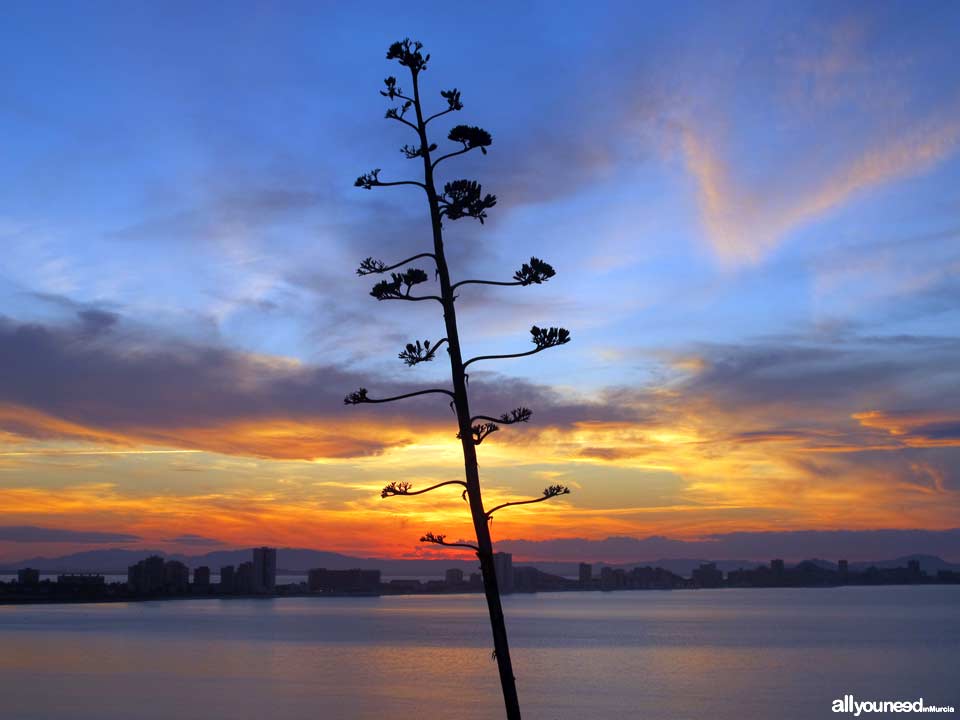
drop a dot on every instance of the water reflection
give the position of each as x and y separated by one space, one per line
721 654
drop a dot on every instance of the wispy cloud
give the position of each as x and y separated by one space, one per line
744 222
196 540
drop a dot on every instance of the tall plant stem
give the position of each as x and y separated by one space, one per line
462 406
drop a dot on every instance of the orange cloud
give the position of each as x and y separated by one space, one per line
279 438
749 438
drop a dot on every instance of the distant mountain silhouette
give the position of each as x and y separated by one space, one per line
297 560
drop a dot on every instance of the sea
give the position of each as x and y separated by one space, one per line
729 654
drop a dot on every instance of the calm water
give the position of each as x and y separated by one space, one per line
717 654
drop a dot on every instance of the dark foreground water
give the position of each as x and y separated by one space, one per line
716 654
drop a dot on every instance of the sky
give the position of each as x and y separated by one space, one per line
753 210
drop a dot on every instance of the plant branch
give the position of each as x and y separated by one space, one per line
400 182
359 397
405 122
504 357
450 155
403 488
484 282
441 540
400 285
548 493
439 114
480 431
517 415
372 179
412 298
453 102
414 354
534 272
371 265
543 338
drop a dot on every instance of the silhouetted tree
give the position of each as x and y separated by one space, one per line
458 199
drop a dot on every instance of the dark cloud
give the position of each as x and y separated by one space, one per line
34 534
101 376
939 431
96 322
152 389
797 374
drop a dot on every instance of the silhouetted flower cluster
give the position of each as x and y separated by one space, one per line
534 272
398 113
356 397
481 430
371 266
408 54
453 99
368 180
545 338
415 152
396 488
415 353
391 289
463 198
392 90
517 415
471 137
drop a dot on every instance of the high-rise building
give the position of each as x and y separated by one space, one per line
264 570
176 577
228 579
28 576
201 577
244 579
777 566
147 576
454 577
503 566
586 575
613 578
707 576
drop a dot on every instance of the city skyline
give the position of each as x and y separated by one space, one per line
156 577
753 224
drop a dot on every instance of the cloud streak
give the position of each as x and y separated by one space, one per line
745 223
35 534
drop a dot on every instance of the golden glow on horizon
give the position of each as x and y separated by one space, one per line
685 480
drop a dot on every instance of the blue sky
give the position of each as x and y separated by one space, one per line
736 197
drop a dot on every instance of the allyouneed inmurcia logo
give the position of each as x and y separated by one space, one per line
847 704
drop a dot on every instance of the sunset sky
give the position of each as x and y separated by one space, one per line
753 210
